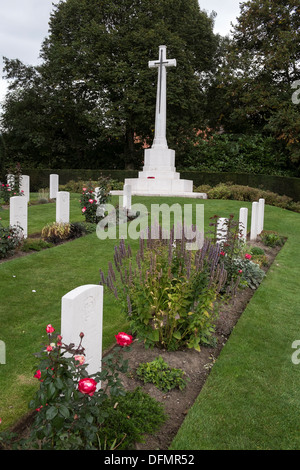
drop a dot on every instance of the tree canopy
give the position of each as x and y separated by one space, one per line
94 93
253 89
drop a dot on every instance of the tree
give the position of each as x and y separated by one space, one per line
96 85
252 90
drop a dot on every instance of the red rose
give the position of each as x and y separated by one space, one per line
38 374
247 256
87 386
50 329
123 339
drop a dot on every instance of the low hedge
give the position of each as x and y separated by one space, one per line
245 193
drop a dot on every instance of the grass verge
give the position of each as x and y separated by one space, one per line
251 398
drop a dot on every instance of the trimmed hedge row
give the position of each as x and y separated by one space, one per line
279 184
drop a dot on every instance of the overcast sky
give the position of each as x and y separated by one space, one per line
24 25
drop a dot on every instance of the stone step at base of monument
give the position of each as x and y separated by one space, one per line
152 173
159 185
191 195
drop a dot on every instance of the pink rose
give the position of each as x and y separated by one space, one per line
123 339
87 386
83 209
80 359
50 329
91 201
222 253
240 271
247 256
49 348
83 189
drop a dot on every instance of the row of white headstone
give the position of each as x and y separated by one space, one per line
257 222
25 185
18 210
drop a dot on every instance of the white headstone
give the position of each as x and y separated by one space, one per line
54 186
261 214
243 219
18 213
25 186
63 207
127 196
254 222
82 312
222 230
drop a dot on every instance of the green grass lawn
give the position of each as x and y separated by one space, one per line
250 398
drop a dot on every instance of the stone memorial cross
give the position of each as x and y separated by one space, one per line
160 140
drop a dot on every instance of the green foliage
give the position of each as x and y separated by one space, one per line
256 250
12 188
168 292
245 193
248 271
56 232
129 418
11 238
99 106
93 199
271 238
252 89
255 154
32 244
161 375
76 186
69 416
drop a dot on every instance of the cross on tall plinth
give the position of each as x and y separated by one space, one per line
160 140
159 176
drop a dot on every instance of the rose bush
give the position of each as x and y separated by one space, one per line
93 197
69 403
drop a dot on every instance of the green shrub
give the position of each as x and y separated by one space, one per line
256 154
56 232
11 238
13 188
129 418
256 250
32 244
248 271
245 193
168 292
161 375
68 405
271 238
93 199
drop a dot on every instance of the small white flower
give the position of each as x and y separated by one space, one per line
33 290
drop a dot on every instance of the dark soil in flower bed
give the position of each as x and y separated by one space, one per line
196 366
